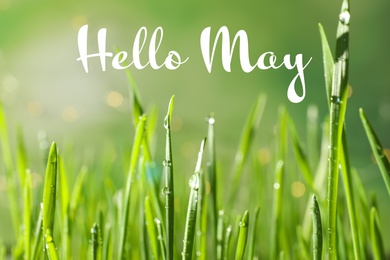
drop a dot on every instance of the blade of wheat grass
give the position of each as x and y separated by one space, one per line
328 62
220 235
213 180
317 229
349 192
21 155
227 244
160 238
107 243
337 113
37 246
169 183
276 232
96 242
377 149
201 225
49 193
27 201
50 246
301 157
190 225
277 208
253 236
77 192
139 134
64 199
150 225
376 235
243 236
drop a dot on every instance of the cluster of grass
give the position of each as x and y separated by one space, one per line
106 214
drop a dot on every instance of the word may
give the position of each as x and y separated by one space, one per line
172 61
227 53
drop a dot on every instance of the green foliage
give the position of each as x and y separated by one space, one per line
126 211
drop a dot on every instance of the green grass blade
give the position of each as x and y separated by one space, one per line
50 246
107 243
201 225
189 230
138 109
377 149
327 61
317 229
9 167
150 225
49 190
253 236
160 238
63 183
242 236
22 156
220 235
37 246
27 201
277 209
376 235
139 134
349 192
337 112
96 242
213 180
226 247
77 192
169 190
242 153
301 157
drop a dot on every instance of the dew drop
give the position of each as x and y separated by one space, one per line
198 253
167 163
194 182
345 17
166 191
335 99
243 224
276 186
210 120
166 123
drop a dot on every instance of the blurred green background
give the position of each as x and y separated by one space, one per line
43 87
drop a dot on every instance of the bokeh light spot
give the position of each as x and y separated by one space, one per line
298 189
114 99
35 108
70 114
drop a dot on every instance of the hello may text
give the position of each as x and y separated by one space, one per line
173 60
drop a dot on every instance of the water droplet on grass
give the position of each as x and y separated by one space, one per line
166 191
194 182
345 17
166 123
243 224
335 99
167 163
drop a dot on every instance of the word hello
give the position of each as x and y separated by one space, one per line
173 60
